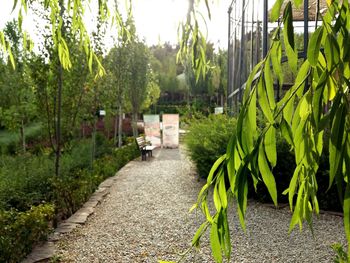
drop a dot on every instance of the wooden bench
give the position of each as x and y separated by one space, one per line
145 147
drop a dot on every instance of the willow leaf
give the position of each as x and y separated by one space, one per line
293 185
222 191
216 197
336 144
317 98
276 56
214 168
267 176
332 52
199 233
215 242
269 84
298 3
289 37
242 192
298 211
270 145
314 46
263 101
276 10
286 132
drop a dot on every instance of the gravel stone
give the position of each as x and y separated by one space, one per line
145 218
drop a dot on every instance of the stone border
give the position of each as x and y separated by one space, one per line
46 251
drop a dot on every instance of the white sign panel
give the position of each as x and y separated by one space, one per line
171 130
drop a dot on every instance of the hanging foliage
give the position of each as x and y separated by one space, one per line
318 101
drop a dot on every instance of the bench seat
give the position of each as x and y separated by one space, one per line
144 147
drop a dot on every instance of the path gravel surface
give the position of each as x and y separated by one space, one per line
145 219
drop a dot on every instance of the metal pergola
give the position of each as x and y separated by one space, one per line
248 41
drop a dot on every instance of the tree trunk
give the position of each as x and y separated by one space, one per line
93 145
23 138
115 131
59 103
134 124
120 126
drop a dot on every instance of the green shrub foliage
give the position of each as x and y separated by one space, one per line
28 181
20 231
207 140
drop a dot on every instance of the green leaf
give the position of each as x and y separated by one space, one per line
298 3
276 56
276 10
317 98
293 186
269 84
286 132
332 52
199 233
270 145
242 193
301 78
14 5
314 46
305 107
336 143
298 209
288 109
214 241
216 197
206 212
289 37
263 101
215 166
267 176
222 191
13 63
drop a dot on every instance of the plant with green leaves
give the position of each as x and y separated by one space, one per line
318 100
17 89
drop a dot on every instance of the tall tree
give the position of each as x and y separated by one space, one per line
17 90
139 70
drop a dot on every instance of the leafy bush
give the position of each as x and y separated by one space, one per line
207 140
20 231
27 181
24 181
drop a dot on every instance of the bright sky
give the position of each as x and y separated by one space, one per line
155 19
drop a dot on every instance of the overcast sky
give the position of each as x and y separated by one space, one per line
155 19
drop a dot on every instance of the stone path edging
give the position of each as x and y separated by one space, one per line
46 251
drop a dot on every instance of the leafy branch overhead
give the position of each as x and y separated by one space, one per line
76 10
318 101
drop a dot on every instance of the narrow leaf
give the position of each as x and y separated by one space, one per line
214 242
276 10
267 176
314 46
270 145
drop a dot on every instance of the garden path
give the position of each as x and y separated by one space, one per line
145 218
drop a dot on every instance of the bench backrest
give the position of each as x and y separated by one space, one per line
141 142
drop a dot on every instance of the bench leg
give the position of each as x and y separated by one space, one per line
143 155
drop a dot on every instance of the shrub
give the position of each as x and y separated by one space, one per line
27 181
207 140
20 231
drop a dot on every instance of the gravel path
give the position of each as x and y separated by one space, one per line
145 219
